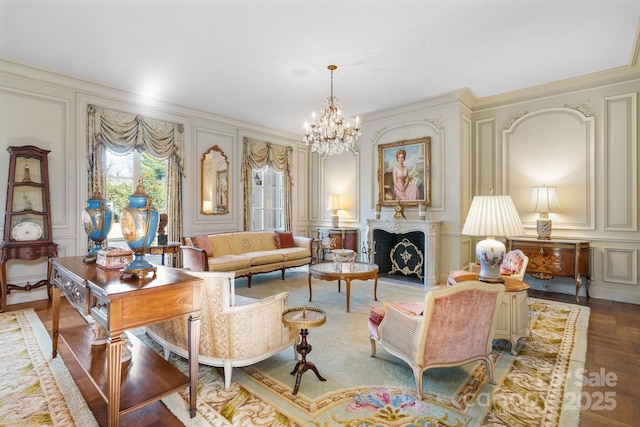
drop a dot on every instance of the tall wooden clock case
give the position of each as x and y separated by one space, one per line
27 221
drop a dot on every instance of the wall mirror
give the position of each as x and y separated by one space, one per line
215 182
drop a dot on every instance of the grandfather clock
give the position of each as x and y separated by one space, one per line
27 221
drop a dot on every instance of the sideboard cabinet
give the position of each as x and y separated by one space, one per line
337 238
556 258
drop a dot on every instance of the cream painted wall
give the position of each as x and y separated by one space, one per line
49 110
468 158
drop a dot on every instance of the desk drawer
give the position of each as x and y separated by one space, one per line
74 291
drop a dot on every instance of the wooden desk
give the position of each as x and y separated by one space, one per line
556 258
118 305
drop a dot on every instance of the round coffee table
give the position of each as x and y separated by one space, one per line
347 272
304 318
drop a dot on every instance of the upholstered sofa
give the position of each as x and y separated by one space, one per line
234 330
246 252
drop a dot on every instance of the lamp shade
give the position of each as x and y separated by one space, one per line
334 203
492 216
544 199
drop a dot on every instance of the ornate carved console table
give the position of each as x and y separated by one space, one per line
556 258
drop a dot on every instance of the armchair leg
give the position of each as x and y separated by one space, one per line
489 366
417 373
228 369
373 347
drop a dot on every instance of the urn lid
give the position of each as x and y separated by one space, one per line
140 190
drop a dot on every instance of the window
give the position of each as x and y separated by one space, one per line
123 174
268 200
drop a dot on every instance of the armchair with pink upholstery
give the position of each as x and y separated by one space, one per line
456 327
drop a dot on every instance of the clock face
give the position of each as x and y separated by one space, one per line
26 231
398 208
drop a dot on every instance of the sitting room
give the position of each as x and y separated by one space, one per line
297 198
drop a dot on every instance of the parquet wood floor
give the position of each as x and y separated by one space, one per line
611 395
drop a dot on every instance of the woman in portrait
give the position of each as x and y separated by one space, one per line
404 186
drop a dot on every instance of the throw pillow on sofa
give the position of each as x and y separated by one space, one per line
284 239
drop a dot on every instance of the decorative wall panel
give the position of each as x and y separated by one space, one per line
621 265
621 163
552 147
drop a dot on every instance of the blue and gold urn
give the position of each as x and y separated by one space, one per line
97 219
139 223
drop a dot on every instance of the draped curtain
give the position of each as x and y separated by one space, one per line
122 133
257 155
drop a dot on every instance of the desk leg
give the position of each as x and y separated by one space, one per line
55 322
114 370
194 348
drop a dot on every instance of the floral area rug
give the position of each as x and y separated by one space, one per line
534 388
35 390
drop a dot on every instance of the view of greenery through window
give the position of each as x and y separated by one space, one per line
123 174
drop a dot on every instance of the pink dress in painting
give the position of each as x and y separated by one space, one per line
402 188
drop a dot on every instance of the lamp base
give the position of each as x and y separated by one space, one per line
543 228
335 221
490 253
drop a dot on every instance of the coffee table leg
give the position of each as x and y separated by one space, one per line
375 289
348 292
309 287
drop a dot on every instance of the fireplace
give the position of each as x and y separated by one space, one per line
406 250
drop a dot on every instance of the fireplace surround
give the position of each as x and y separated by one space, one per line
406 250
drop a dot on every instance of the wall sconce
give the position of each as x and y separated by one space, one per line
334 205
492 216
544 200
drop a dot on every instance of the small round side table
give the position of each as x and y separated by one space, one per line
304 318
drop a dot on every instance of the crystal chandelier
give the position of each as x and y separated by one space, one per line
330 134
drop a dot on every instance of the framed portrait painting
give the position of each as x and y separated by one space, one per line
404 172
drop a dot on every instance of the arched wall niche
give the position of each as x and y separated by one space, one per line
553 147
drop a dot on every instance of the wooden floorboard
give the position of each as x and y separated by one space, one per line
613 352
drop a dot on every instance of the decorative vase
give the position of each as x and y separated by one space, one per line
139 223
97 219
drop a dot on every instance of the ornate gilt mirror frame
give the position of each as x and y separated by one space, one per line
214 187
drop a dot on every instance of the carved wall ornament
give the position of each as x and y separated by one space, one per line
584 108
437 122
511 120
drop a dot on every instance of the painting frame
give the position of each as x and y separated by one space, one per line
417 180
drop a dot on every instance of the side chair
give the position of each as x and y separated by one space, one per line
455 327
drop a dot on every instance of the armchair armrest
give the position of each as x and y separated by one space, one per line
194 259
399 330
303 242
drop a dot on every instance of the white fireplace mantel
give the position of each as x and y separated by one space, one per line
431 231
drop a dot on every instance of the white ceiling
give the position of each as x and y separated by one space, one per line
265 61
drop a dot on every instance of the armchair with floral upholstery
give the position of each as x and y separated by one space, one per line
455 326
234 330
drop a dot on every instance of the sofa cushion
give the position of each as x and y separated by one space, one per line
294 253
229 263
202 242
284 239
251 241
264 257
